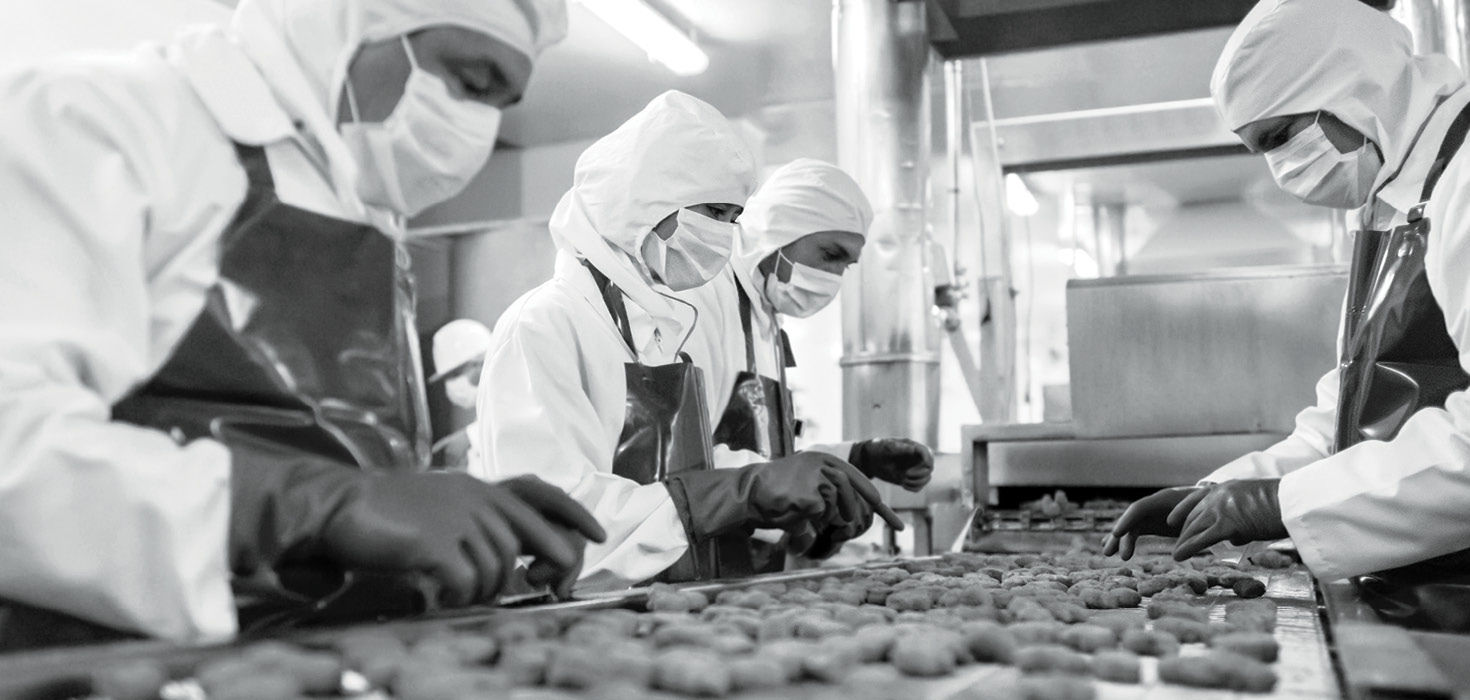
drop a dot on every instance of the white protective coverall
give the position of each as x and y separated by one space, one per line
1376 505
798 199
118 175
553 393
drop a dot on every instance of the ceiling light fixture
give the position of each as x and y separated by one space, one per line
653 32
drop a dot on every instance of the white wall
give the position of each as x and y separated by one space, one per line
38 29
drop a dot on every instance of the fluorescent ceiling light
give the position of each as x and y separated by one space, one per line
652 32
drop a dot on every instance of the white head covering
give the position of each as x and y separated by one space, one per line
458 342
677 152
303 49
800 198
1339 56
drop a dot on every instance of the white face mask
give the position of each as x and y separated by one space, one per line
426 151
808 291
461 391
1311 169
698 250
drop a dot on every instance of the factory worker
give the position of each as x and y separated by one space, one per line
799 232
459 355
1376 476
207 355
586 384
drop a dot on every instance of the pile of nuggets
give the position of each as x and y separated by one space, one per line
860 635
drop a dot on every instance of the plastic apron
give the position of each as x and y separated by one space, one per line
664 428
1397 357
307 340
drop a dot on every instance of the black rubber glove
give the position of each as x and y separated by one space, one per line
895 460
1159 513
807 487
462 532
1239 511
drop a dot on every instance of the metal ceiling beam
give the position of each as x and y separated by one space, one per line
988 27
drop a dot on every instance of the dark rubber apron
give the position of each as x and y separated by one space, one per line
306 342
665 428
758 419
1397 357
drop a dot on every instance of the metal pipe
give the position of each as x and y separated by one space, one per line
890 364
1437 26
998 326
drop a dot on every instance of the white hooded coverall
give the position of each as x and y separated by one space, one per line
118 175
553 391
1376 505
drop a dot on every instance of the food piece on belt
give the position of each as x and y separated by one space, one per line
989 642
1249 588
665 598
318 672
1186 631
692 672
861 617
515 631
525 663
1257 645
1124 598
1154 585
1036 632
259 685
909 600
790 653
1088 638
752 599
874 642
1271 559
800 596
965 595
852 595
1001 597
585 667
375 655
925 656
758 671
888 576
1177 608
1051 658
1150 643
138 679
1028 610
967 613
1258 615
455 648
748 627
873 680
1055 687
781 626
831 659
1218 669
814 627
1118 622
430 683
691 634
1065 610
1116 666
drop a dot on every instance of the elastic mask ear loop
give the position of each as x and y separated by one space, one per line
413 63
680 350
352 102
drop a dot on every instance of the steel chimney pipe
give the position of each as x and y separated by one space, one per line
890 364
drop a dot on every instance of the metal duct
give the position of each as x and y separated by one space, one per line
890 364
1438 26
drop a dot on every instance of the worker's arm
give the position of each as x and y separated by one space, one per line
106 521
1379 505
1310 441
536 417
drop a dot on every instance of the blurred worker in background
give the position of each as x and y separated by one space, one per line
459 357
799 232
1376 476
586 383
207 355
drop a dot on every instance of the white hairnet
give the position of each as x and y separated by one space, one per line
800 198
677 152
303 48
1339 56
457 342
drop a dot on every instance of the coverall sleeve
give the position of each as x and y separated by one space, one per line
1310 441
106 521
537 418
1380 505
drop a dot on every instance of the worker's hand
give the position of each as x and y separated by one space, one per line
895 460
1239 511
463 532
804 488
1159 513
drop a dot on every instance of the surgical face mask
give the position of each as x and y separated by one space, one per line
808 291
1311 169
461 391
696 252
426 151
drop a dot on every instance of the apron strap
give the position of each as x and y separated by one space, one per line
257 166
613 297
745 311
1447 150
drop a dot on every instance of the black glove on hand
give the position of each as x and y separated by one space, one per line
1159 513
464 533
1239 511
807 487
895 460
